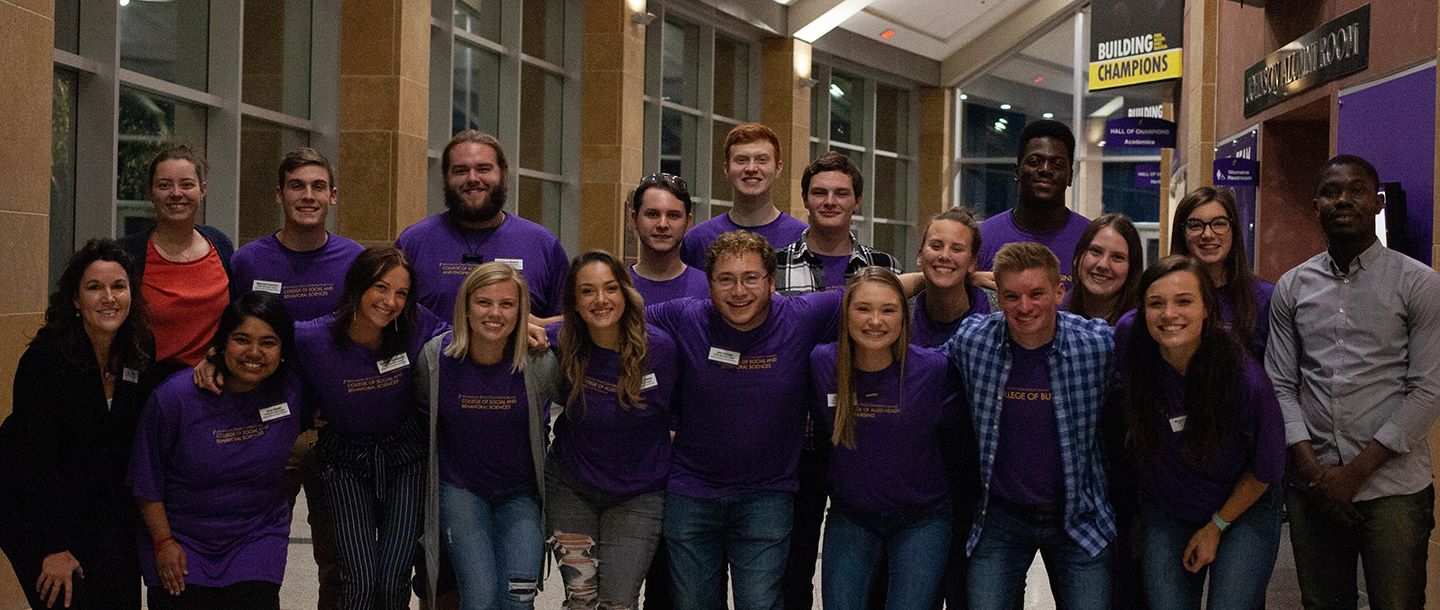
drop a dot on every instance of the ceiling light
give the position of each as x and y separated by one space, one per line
1048 115
1101 143
1003 120
887 34
964 97
836 91
1004 106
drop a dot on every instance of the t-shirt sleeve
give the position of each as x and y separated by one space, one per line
154 442
667 315
555 283
1268 463
823 308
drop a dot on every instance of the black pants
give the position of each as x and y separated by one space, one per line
112 573
248 595
797 585
657 581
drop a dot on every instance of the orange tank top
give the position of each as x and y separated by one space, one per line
184 301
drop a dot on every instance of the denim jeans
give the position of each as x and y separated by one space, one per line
497 549
914 547
748 534
1242 565
1007 546
602 543
1391 543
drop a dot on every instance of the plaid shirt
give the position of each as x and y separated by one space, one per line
798 270
1080 366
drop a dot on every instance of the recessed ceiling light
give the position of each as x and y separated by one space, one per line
964 97
1004 106
887 34
1048 115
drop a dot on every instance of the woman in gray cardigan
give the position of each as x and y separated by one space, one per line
486 398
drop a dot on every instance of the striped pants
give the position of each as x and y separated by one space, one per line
376 531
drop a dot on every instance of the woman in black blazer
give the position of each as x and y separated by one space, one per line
67 521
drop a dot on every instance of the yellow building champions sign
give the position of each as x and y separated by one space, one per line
1135 42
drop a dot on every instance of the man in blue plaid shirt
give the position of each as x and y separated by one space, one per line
1036 379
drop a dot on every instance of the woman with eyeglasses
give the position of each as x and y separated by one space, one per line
888 402
1107 264
1207 227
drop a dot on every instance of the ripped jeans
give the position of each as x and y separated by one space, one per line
602 542
496 548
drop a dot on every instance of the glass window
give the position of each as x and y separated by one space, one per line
1123 193
892 118
476 104
681 59
543 30
62 171
484 23
148 123
732 78
894 240
846 108
166 40
262 144
988 188
719 182
67 25
677 143
540 201
991 132
541 119
891 189
277 56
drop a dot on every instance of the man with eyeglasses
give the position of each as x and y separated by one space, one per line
1354 354
752 163
660 213
823 258
1043 171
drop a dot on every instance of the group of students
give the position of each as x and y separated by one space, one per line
476 391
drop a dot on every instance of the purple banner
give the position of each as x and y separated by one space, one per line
1236 171
1147 176
1140 132
1244 146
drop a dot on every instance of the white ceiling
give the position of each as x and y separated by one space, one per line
931 28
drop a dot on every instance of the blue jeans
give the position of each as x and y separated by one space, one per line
747 533
913 547
497 549
1007 546
1242 565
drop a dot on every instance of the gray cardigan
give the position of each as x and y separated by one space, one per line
542 386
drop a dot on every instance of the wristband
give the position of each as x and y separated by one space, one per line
1220 523
160 544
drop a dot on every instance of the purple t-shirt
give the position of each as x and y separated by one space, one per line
620 451
483 433
309 282
1261 291
352 393
927 332
443 255
834 268
1027 460
1255 442
780 232
690 283
219 469
743 416
1001 229
896 461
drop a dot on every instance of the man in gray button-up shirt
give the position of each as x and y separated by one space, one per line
1355 356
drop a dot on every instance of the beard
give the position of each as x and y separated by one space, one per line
471 213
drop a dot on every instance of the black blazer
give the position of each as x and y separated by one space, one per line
63 452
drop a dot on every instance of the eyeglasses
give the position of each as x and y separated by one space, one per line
749 280
662 177
1219 225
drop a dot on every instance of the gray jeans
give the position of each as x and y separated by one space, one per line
602 542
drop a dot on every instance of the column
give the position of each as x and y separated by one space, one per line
1197 105
785 107
612 119
936 153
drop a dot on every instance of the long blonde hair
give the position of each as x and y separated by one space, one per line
576 344
844 434
484 275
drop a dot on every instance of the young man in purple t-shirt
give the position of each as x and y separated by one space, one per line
752 163
660 213
475 229
1043 171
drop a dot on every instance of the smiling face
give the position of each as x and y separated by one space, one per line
1105 264
873 319
306 197
1044 171
474 184
831 201
1029 299
252 353
177 192
384 300
1175 315
1347 203
1207 246
492 313
661 221
945 257
741 290
598 298
752 167
104 298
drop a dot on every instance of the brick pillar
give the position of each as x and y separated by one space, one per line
612 119
785 108
384 115
936 154
1197 106
1432 588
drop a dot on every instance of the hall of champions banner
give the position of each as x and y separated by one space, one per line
1135 41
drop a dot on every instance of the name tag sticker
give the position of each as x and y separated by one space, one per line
266 286
275 412
830 400
649 382
130 375
400 361
1177 423
517 263
725 356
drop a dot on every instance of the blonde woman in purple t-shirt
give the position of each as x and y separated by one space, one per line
1207 431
